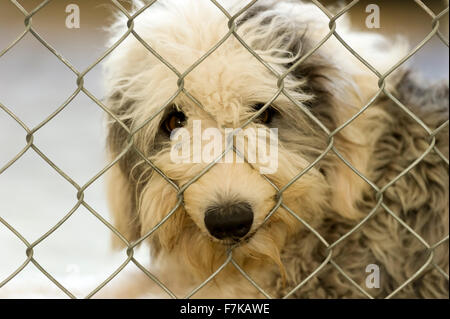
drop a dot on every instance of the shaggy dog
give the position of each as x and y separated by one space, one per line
199 218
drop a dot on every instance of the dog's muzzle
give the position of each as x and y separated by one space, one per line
229 221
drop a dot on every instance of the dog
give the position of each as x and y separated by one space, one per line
337 202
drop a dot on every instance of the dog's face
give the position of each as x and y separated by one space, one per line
231 203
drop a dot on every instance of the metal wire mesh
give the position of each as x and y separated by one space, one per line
80 189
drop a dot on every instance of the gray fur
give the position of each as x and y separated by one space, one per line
420 198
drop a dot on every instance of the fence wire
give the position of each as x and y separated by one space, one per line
232 26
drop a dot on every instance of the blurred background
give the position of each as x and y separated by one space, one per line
34 83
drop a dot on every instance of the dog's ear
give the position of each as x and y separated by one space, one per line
335 100
337 97
347 187
353 142
338 91
121 191
122 206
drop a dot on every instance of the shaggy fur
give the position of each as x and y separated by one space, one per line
332 85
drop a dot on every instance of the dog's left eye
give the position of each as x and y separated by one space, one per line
266 116
174 120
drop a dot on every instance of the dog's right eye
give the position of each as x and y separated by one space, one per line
174 120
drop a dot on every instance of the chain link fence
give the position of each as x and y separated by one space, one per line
80 189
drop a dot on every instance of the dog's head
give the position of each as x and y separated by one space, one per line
181 115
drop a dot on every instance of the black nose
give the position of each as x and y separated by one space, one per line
229 220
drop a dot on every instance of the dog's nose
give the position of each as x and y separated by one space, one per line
231 221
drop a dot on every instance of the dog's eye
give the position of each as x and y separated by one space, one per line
266 116
174 120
